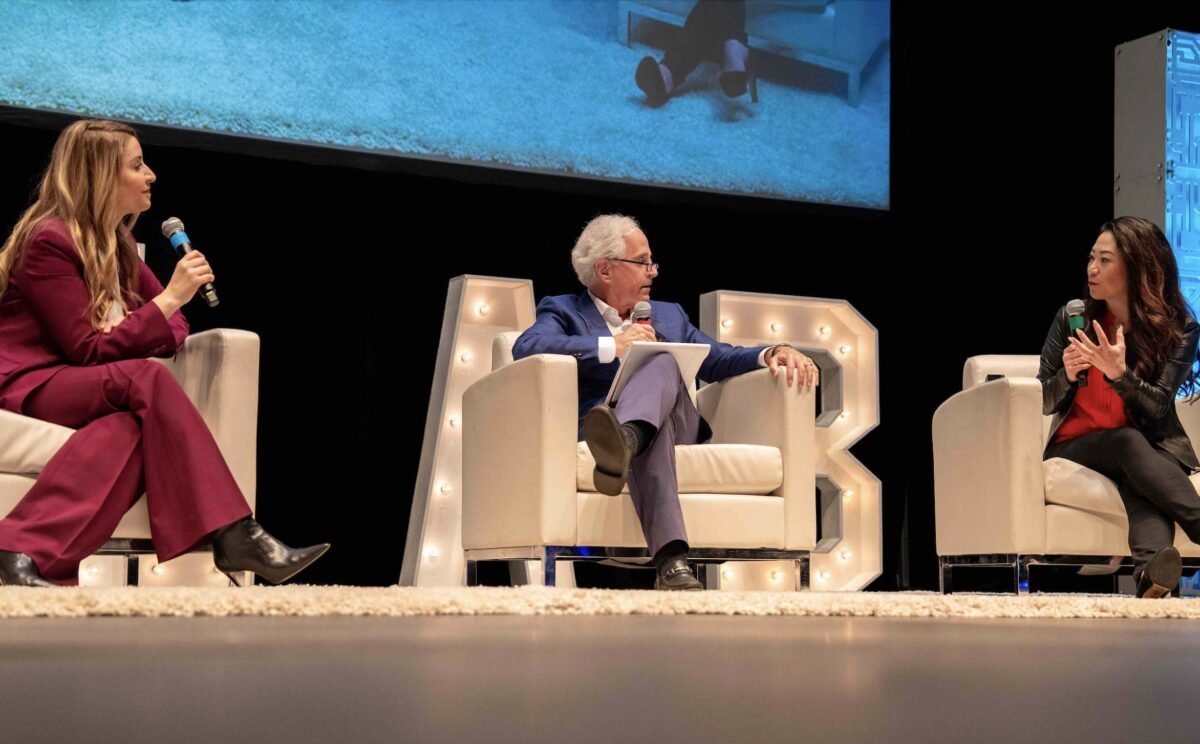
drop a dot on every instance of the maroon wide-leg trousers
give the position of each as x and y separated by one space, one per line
137 432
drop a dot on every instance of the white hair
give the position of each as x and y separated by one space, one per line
604 237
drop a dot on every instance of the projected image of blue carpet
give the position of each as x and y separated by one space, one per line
531 84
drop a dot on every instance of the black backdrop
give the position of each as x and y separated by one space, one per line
1001 172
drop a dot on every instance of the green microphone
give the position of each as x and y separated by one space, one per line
1075 310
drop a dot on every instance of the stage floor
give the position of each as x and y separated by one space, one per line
601 679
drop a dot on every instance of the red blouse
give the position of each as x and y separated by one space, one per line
1097 406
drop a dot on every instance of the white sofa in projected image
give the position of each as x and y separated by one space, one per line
841 35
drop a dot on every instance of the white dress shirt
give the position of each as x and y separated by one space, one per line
607 350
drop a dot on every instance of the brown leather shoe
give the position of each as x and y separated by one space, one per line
612 445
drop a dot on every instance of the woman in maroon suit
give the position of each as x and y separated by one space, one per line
80 314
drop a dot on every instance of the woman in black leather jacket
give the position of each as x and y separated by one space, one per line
1112 391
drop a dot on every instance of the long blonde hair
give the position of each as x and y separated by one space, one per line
80 187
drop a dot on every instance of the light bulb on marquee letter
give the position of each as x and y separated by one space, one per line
848 345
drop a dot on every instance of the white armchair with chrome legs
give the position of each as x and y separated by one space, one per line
218 369
503 478
527 483
998 504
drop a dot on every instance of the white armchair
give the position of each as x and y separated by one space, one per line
218 369
998 504
527 482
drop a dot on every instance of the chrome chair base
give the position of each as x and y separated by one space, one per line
1020 565
700 558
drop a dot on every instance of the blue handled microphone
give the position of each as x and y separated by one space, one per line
172 230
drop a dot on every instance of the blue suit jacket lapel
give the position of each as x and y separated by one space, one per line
591 316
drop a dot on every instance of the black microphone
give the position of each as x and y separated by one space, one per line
1075 310
641 316
172 230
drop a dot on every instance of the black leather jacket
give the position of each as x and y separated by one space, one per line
1149 405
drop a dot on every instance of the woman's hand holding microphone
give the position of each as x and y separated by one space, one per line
1107 357
191 273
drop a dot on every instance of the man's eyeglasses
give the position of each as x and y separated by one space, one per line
644 264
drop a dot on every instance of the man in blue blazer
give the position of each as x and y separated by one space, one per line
636 439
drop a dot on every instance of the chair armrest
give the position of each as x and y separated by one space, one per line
860 26
218 370
27 441
519 450
755 408
989 488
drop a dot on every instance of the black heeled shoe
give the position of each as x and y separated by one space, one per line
1160 577
652 79
18 569
737 72
245 546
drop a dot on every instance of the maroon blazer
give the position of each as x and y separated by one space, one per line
44 318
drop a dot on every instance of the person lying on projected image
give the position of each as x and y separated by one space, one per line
80 315
1111 385
711 25
635 440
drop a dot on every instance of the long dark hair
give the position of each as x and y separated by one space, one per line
1157 311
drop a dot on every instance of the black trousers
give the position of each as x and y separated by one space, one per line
709 24
1153 485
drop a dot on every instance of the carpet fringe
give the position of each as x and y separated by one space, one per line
323 601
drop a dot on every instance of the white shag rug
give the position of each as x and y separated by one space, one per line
326 601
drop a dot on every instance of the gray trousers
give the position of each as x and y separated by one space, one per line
656 394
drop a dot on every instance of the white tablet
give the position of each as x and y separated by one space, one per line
689 357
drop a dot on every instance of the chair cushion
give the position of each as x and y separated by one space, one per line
708 468
1070 484
713 521
1077 532
27 444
